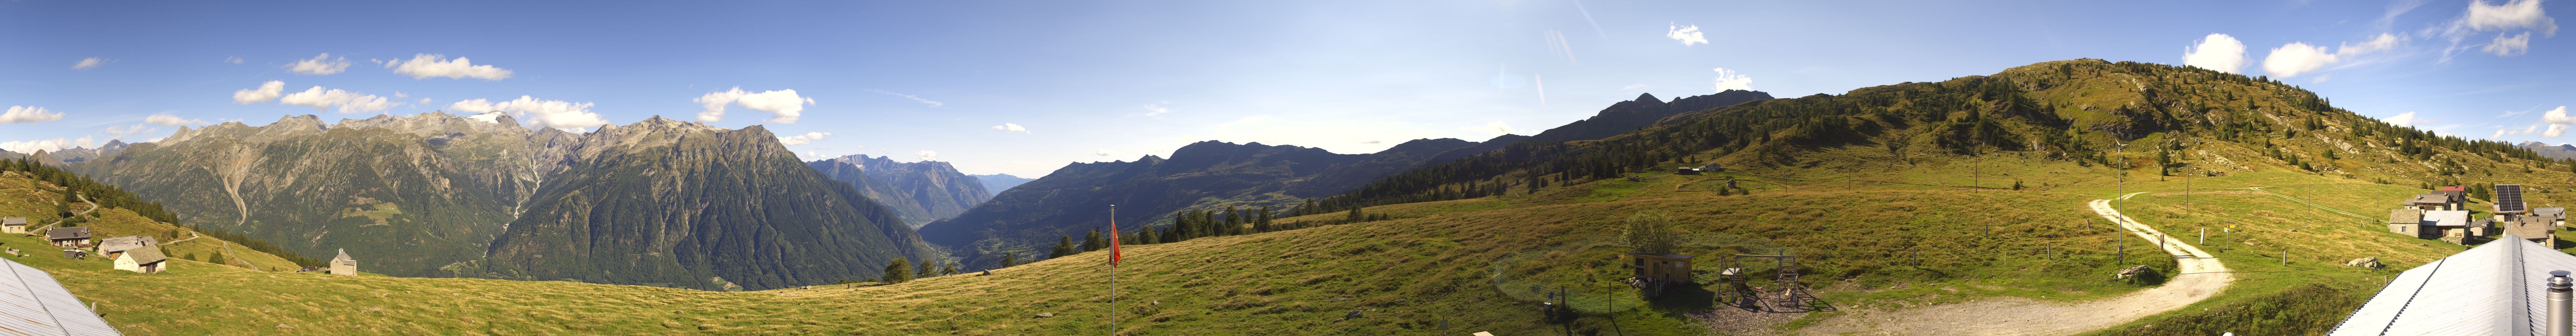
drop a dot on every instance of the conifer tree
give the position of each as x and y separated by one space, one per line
1092 242
1262 223
1147 236
1063 247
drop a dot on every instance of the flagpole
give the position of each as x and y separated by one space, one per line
1113 270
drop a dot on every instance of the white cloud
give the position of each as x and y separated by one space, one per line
264 93
1152 111
2402 119
2501 131
927 155
2383 42
424 66
2296 58
1493 128
2216 52
906 96
539 113
424 101
2557 116
1372 142
166 119
2523 14
784 106
399 94
28 115
807 138
233 59
1010 127
87 63
2554 131
2509 46
56 144
319 65
321 99
120 132
1729 80
1688 35
1105 152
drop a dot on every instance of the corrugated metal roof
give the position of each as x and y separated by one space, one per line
32 303
2493 289
2447 217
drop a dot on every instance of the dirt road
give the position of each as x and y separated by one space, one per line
2202 276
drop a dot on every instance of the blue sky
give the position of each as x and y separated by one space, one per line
1024 88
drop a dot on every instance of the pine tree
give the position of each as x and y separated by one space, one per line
928 268
1146 236
1355 216
1010 259
898 271
1063 247
1262 224
1092 242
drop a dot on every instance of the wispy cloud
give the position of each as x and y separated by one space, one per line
165 119
1152 111
319 65
808 137
1011 128
424 66
906 96
1556 44
28 115
88 63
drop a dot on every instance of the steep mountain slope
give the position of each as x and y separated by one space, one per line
1205 174
921 191
996 183
413 193
429 194
674 203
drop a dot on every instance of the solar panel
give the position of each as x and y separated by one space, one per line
2508 198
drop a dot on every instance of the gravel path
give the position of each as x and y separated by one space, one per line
2202 276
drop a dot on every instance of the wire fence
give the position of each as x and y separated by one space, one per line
1591 296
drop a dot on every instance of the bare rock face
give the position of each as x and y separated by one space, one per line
436 194
922 191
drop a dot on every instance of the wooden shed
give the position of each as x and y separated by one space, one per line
1661 267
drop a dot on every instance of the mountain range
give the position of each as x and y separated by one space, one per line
996 183
919 191
2561 152
659 202
1212 174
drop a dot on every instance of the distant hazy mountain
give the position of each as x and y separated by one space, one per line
2561 152
920 191
996 183
658 202
1076 198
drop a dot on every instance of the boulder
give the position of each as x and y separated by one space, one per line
2370 262
1046 315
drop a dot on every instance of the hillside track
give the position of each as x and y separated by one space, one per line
2201 276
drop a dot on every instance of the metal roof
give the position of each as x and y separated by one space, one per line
118 244
32 303
13 221
2447 217
2552 212
2494 289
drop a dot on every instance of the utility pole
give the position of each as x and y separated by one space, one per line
2119 202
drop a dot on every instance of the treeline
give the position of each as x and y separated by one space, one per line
1188 225
109 196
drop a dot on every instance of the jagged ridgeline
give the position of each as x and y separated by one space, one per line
430 194
2071 110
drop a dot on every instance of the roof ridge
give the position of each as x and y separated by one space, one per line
2410 297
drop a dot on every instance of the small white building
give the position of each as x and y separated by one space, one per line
16 225
343 265
148 259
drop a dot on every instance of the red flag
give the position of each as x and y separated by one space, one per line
1113 240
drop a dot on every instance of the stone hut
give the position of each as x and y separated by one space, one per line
147 259
69 237
2537 229
2410 222
16 225
343 265
2557 215
112 246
